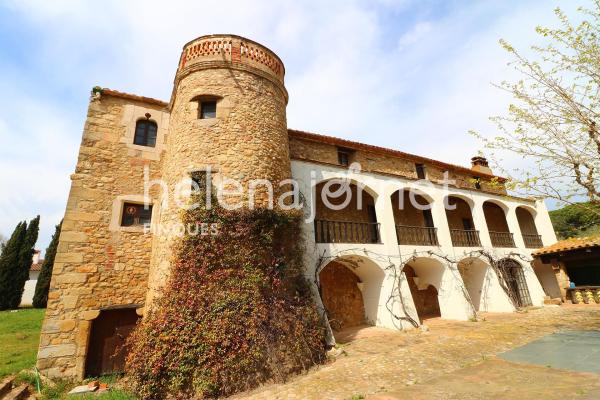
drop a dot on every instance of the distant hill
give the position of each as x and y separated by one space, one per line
575 221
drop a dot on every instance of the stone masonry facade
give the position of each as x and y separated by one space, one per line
102 265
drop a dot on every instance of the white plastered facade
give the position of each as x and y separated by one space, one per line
386 293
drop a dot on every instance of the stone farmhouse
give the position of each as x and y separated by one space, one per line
388 261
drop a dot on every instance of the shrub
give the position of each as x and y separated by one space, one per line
236 311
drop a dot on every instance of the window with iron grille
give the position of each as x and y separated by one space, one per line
136 214
145 133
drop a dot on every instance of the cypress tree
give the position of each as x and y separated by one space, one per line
25 260
9 265
40 298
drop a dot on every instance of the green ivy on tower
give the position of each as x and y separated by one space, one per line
237 310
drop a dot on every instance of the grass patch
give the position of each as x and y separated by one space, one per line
62 387
19 335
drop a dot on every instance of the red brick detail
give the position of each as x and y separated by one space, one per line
236 54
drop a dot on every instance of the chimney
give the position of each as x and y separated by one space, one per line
480 164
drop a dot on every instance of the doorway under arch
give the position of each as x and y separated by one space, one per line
424 277
511 273
350 291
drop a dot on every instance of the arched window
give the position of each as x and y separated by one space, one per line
145 133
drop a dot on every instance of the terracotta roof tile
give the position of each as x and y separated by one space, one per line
570 244
150 100
37 266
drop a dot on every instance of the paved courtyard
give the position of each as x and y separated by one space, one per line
453 360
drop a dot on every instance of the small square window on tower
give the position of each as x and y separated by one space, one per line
420 169
208 109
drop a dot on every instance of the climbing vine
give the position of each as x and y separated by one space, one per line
395 263
236 311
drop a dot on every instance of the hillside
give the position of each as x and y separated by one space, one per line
576 220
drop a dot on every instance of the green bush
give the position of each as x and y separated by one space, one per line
237 310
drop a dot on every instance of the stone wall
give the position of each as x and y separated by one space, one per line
456 216
495 217
351 212
405 213
321 151
247 140
99 265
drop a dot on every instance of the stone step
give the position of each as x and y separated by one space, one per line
556 301
6 385
19 393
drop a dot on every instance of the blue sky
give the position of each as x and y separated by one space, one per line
412 75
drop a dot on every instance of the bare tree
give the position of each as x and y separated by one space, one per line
553 121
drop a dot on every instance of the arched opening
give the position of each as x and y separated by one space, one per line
424 276
528 229
350 291
513 278
483 286
495 218
413 219
460 222
106 349
345 213
473 273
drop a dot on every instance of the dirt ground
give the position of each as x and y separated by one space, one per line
453 360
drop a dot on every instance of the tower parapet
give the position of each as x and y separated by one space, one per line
213 51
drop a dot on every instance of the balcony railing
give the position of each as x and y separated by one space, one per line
502 239
533 241
346 232
465 238
417 235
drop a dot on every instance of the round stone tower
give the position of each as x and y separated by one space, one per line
227 114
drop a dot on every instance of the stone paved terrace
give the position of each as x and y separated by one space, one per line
453 360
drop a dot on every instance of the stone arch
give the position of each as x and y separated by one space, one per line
351 217
476 275
495 218
470 202
526 220
460 221
424 276
413 218
512 275
350 290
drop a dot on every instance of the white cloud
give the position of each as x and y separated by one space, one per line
403 74
414 35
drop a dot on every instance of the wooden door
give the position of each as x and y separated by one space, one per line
107 348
